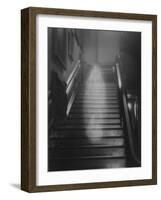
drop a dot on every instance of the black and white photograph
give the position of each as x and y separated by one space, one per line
94 99
89 99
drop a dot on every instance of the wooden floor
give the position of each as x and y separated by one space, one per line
92 137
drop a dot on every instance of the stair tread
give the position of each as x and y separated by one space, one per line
85 146
92 111
89 152
95 88
94 163
96 98
99 91
95 115
90 157
101 95
102 106
96 101
93 120
98 86
90 126
81 142
89 133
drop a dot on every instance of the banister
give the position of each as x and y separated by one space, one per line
72 84
72 76
126 113
70 91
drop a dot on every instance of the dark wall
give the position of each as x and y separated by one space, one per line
89 44
56 52
108 46
100 47
63 52
130 54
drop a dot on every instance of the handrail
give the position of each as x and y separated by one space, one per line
73 74
68 90
127 117
71 82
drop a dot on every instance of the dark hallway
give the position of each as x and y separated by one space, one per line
96 130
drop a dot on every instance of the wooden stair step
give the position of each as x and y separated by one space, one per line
100 89
92 87
96 102
120 151
106 70
108 80
89 157
85 142
105 106
94 110
100 94
94 91
87 133
90 126
98 85
105 94
113 152
95 115
97 95
86 163
98 81
96 98
65 158
92 121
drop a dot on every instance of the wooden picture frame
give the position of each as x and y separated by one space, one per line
29 95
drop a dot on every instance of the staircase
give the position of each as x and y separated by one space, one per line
92 137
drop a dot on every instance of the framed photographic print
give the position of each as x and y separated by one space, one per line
89 99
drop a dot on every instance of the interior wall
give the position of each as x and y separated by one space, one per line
130 53
107 46
71 62
100 46
89 46
58 50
